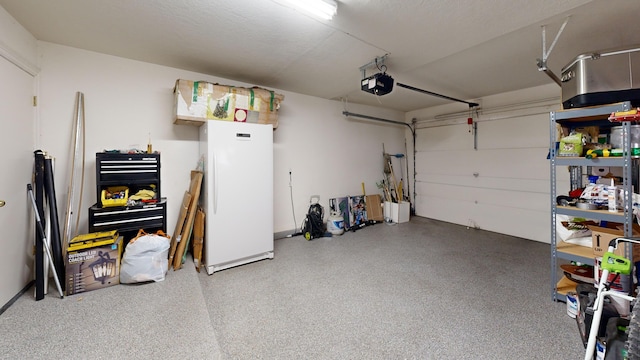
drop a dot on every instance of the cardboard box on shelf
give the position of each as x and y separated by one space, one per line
93 261
200 101
601 236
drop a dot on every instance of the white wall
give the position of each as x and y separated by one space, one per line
503 186
327 154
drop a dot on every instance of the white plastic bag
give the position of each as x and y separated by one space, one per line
145 258
573 231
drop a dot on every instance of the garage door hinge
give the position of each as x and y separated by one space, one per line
35 101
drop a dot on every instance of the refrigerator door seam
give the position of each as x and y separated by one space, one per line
215 183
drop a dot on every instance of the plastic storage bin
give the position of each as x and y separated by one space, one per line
114 196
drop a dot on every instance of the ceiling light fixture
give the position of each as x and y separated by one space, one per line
324 9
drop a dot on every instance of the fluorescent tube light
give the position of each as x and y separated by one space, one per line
324 9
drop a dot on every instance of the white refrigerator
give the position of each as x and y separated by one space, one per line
237 193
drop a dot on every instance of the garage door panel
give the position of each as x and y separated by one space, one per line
444 138
522 222
476 195
513 133
512 163
524 185
517 132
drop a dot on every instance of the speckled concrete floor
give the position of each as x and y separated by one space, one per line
418 290
167 319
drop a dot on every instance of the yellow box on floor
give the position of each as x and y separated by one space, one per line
93 261
199 101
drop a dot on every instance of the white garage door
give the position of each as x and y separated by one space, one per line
502 185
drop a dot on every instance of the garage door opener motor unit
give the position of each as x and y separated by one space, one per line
378 84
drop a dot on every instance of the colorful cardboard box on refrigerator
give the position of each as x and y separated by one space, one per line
93 261
199 101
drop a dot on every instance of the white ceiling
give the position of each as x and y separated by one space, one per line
465 49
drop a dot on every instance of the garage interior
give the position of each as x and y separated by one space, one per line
469 276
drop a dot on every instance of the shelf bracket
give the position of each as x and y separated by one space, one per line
542 63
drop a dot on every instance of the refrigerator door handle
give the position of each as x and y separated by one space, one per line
215 184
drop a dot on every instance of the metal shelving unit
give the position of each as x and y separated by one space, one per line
574 118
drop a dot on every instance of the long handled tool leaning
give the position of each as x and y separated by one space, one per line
44 239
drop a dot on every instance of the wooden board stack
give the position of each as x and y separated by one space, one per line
182 233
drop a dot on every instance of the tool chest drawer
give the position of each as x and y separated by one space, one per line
135 171
148 217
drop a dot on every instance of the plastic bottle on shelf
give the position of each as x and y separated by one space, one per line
612 197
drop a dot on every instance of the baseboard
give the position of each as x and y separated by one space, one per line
15 298
286 234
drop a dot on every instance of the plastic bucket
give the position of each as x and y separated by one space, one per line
572 304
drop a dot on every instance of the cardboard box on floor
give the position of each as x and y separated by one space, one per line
93 261
601 236
200 101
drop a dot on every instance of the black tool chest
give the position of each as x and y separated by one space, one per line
151 217
134 171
